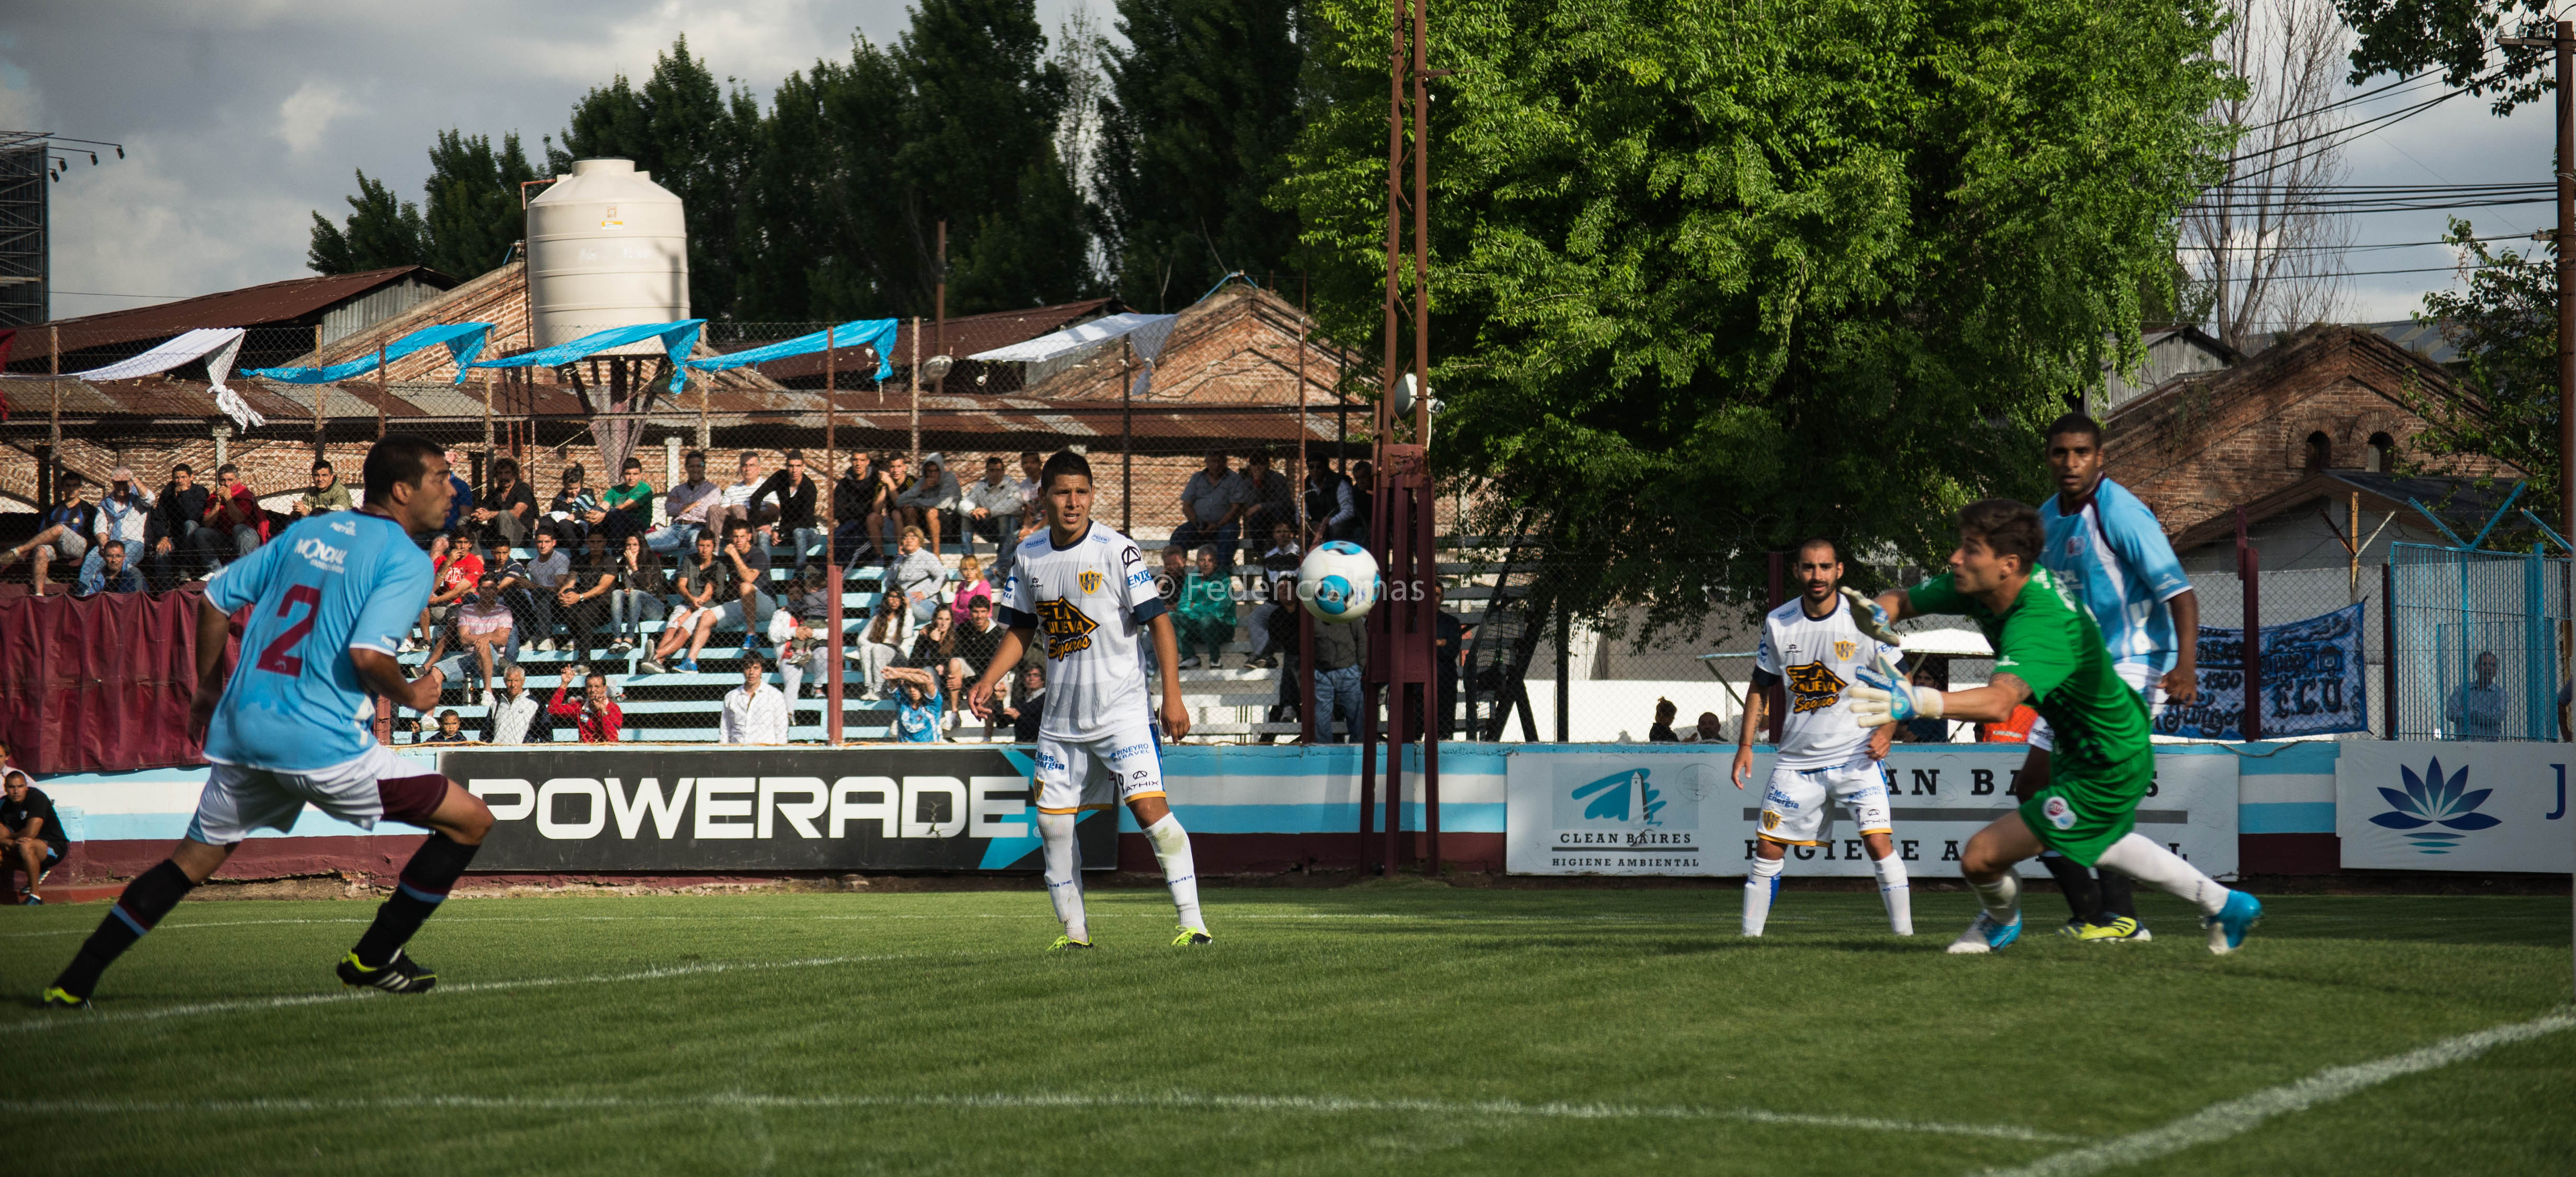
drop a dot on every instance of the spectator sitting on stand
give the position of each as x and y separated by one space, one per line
1206 612
749 564
993 507
934 650
178 515
881 645
1175 576
737 496
977 641
1662 731
595 715
755 712
1278 565
507 515
2477 708
1212 507
971 587
895 475
800 631
641 585
568 517
483 625
1710 730
451 729
456 568
693 616
917 713
794 491
859 496
626 508
461 507
514 716
124 515
581 598
917 575
1332 507
327 493
690 507
1028 705
547 574
111 574
66 529
931 500
31 836
233 511
1271 499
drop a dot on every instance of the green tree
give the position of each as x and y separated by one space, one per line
472 213
2505 326
382 231
827 234
1711 277
977 124
2457 37
1204 108
696 140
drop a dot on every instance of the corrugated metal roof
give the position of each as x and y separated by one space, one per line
965 335
251 306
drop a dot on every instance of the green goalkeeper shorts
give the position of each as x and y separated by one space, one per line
2081 819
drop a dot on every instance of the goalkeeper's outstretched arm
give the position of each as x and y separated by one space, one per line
1874 703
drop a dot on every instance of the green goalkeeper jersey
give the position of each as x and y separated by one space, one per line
2101 764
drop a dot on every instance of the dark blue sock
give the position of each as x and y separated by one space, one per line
149 897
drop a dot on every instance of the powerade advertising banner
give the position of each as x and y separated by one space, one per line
1640 811
771 809
2312 682
2454 806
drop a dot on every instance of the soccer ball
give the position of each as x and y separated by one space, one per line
1338 581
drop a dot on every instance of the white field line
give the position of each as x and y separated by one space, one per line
61 1019
2235 1117
1499 1108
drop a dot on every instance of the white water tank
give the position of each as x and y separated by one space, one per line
607 247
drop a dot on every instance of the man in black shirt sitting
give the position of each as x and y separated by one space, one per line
31 837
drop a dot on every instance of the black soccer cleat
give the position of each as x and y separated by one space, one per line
402 974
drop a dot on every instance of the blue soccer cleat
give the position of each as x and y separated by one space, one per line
2227 929
1985 935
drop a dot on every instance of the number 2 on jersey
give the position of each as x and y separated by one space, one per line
279 656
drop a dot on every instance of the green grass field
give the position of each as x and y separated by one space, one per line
1402 1029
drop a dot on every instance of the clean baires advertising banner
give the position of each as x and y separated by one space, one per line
585 808
1645 812
2454 806
2312 682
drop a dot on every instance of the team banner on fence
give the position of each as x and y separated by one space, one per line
2312 682
2454 806
1675 813
856 809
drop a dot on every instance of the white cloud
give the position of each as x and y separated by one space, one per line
306 115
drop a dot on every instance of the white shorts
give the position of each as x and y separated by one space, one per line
2147 683
1125 765
1797 805
239 799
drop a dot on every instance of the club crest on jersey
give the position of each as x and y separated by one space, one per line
1816 687
1845 649
1068 629
2059 813
1089 580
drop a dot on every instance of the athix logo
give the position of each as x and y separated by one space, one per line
2433 799
1611 796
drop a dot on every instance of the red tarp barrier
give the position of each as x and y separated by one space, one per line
100 684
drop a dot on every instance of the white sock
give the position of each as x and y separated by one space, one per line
2001 897
1064 872
2143 860
1760 883
1896 894
1172 849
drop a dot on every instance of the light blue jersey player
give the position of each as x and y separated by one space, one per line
324 607
2107 550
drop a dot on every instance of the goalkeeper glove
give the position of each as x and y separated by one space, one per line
1871 619
1877 701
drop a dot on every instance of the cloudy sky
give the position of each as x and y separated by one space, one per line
240 118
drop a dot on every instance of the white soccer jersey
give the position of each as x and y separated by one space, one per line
1819 660
1090 604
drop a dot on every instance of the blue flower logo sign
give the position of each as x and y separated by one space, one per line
2433 799
1610 797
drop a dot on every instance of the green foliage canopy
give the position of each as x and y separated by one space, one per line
2505 325
1710 277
